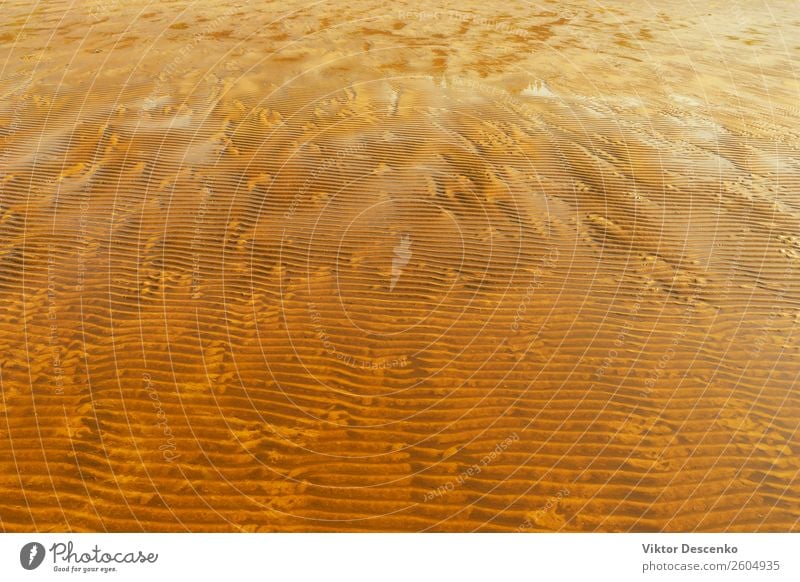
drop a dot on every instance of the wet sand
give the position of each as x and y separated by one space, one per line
361 267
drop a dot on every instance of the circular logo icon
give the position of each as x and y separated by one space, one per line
31 555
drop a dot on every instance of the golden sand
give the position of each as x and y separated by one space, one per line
364 266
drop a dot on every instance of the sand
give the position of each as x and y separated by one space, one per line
387 267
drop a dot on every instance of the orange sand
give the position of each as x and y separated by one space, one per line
353 266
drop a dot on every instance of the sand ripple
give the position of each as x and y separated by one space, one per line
368 268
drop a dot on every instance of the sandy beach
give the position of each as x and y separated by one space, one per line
396 267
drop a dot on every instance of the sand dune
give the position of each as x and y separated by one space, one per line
368 267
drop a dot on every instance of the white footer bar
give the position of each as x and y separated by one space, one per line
400 557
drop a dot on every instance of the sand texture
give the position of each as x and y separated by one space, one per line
368 266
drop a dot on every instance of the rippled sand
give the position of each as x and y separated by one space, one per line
352 266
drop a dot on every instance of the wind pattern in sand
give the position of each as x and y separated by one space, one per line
289 266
